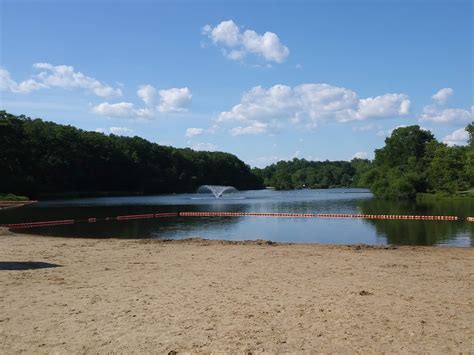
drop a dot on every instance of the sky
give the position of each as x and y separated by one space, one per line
264 80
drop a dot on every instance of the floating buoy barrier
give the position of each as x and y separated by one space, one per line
166 214
470 219
39 224
136 216
233 214
317 215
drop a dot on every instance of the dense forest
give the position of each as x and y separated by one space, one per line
41 158
413 161
301 173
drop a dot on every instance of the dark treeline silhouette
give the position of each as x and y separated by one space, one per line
39 158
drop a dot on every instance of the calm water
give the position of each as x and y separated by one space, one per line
302 230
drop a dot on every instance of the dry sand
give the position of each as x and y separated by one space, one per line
131 296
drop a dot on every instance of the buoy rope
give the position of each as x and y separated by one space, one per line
232 214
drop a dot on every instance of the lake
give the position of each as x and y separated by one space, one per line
299 230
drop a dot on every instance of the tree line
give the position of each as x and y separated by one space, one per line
39 159
413 161
301 173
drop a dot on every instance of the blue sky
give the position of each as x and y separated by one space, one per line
263 80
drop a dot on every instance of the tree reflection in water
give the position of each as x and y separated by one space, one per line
413 232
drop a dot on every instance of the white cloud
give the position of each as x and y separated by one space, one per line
193 132
237 44
121 131
388 105
174 100
203 146
442 95
121 110
360 155
254 128
6 82
309 105
171 100
59 76
147 93
227 33
458 137
435 114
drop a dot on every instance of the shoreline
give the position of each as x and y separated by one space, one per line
201 296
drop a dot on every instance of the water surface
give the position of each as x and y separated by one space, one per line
300 230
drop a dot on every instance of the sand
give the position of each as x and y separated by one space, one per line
130 296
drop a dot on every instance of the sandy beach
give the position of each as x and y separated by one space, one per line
132 296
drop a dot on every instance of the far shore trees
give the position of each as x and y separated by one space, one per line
40 158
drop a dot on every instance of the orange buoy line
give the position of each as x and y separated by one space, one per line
148 215
232 214
136 216
317 215
89 220
39 224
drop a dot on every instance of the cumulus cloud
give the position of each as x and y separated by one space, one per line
435 114
6 82
174 100
442 95
458 137
193 132
56 76
253 128
147 93
121 110
170 100
388 105
261 109
438 113
236 44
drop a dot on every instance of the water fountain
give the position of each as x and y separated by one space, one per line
216 190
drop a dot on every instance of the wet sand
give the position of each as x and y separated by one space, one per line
130 296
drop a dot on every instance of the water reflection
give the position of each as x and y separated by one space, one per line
412 232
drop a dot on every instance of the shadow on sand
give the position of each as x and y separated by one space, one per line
25 265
